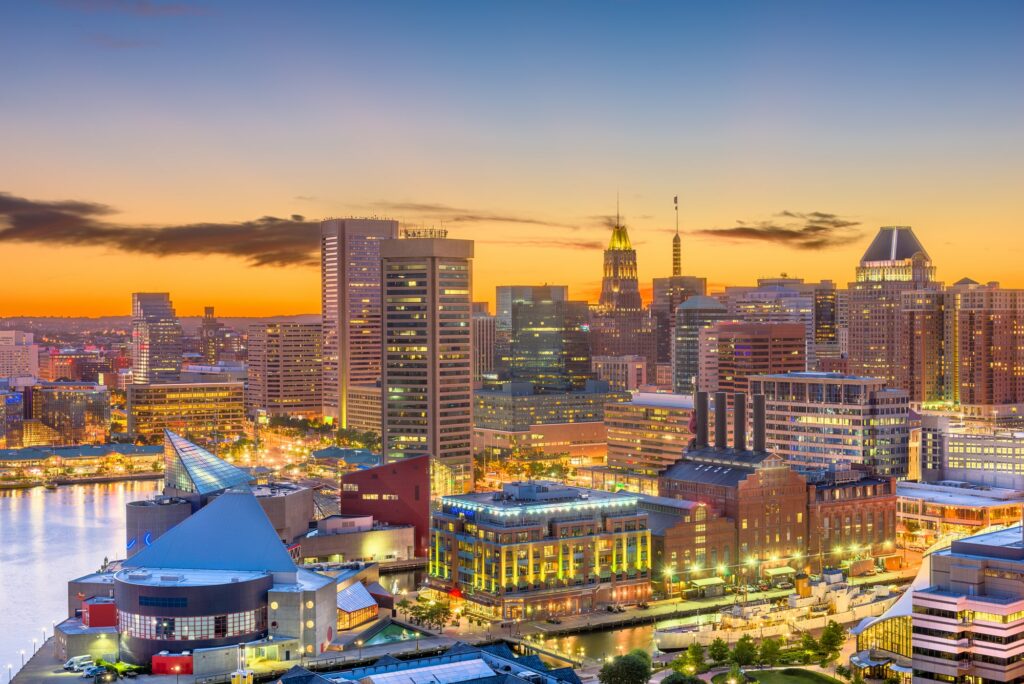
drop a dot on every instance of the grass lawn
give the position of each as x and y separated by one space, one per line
792 676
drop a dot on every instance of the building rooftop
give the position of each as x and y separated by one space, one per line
93 451
230 533
816 375
707 473
1006 544
200 472
893 243
959 494
662 400
702 302
157 577
539 497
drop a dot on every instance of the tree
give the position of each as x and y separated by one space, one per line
842 671
631 668
832 639
719 650
745 651
695 658
643 655
735 675
771 651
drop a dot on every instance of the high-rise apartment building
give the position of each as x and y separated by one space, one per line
156 338
351 307
19 355
921 355
692 315
894 263
427 384
550 343
285 369
731 353
826 419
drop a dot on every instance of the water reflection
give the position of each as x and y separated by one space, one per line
47 538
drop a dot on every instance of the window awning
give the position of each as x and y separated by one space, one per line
708 582
779 572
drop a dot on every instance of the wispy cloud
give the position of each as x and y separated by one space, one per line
447 213
264 241
798 230
562 243
140 8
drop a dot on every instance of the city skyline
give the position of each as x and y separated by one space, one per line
148 140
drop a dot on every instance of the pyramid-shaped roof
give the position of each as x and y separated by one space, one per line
894 243
191 468
230 533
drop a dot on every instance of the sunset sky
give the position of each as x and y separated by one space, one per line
142 142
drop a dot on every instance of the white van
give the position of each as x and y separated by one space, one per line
78 663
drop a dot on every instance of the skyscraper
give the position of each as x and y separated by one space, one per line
550 342
428 370
285 369
350 307
894 263
211 337
691 316
19 355
156 339
620 288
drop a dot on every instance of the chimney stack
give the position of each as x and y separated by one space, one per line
759 424
701 406
739 416
720 418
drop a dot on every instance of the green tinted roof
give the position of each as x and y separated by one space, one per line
191 468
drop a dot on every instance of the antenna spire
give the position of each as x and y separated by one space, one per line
616 208
677 250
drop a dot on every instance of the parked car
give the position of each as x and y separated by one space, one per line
92 671
785 585
643 605
78 662
554 621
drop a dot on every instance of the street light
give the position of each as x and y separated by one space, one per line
359 643
177 671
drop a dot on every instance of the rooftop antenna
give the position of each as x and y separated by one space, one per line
677 249
616 208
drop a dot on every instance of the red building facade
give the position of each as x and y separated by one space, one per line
395 493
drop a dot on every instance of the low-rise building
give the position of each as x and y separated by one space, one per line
207 411
927 512
539 549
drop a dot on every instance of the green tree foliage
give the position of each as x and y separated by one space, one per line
430 613
680 678
771 651
719 650
745 651
832 639
631 668
695 658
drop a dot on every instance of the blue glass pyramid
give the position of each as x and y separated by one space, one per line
230 533
191 468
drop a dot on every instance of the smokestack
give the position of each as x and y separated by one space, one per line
759 429
720 418
702 419
739 416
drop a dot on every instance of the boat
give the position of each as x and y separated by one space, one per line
813 606
50 485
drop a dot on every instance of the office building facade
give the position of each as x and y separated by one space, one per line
693 315
285 362
427 386
19 355
550 342
156 338
207 412
822 419
731 353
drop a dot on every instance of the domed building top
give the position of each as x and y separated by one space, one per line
701 302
